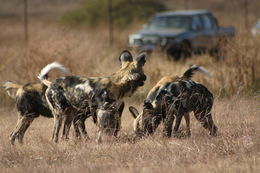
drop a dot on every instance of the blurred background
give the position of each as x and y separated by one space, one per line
88 35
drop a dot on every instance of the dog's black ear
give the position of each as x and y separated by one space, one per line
141 58
133 111
125 56
148 105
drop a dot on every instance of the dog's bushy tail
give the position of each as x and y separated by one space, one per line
43 76
11 88
190 72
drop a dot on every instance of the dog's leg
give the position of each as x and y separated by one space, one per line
57 126
24 129
205 118
99 138
83 127
79 126
67 124
66 127
187 119
167 125
76 127
178 122
120 112
212 127
14 133
22 125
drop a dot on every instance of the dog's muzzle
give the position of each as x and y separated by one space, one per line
142 80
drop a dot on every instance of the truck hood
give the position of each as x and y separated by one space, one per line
162 33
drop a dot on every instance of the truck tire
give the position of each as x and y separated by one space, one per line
183 50
219 51
217 54
173 54
186 49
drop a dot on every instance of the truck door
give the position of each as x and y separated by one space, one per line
209 31
196 35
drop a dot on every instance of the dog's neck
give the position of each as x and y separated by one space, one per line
121 88
124 83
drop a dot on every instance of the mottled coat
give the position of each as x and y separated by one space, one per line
31 103
174 97
69 95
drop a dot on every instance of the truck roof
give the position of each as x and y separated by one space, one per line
184 12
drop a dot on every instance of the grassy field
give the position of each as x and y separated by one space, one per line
235 83
236 149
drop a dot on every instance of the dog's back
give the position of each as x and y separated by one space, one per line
11 88
30 99
195 96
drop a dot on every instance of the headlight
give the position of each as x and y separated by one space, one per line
133 37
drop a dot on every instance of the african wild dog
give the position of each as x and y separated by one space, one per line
31 103
68 95
175 96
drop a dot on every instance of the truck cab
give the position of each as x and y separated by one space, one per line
180 33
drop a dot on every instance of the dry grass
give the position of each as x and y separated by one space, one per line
86 52
236 149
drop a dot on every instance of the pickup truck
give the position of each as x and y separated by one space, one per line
181 34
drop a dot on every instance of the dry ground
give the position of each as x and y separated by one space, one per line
235 83
236 149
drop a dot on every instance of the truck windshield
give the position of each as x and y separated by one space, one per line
170 22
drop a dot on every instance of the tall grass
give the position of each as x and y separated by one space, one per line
87 53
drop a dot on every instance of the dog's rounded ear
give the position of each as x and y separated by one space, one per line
133 111
125 56
141 58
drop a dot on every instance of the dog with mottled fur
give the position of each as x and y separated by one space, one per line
68 95
31 103
174 97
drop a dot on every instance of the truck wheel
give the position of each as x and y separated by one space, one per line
217 54
219 51
181 51
173 54
186 50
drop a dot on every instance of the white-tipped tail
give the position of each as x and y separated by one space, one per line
55 65
201 69
190 72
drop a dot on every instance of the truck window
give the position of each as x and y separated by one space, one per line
169 22
196 23
207 22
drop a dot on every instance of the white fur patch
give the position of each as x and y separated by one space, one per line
201 69
189 83
84 87
51 66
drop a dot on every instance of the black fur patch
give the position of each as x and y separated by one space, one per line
179 97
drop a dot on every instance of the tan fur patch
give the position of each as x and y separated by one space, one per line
11 88
19 92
